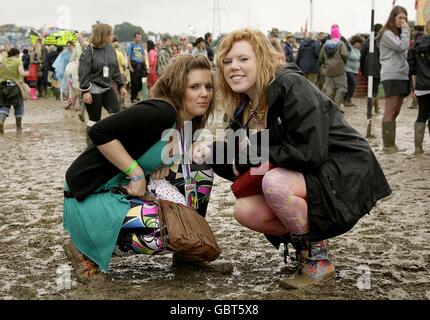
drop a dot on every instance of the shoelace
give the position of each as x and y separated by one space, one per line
90 269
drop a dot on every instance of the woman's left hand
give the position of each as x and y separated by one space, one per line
123 92
201 153
160 174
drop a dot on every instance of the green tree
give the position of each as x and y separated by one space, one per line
125 31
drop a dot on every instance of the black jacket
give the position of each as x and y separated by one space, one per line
308 56
138 128
364 60
309 135
419 63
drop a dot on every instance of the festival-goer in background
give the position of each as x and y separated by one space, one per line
352 68
128 150
25 59
175 50
365 62
152 62
321 75
274 34
209 49
80 45
48 69
200 47
393 44
419 63
35 65
312 194
277 46
41 89
98 69
136 65
60 65
11 76
122 63
183 44
164 55
190 48
290 45
4 49
308 56
333 57
416 34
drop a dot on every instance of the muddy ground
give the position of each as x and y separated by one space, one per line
386 256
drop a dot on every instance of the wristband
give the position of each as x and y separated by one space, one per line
131 168
137 178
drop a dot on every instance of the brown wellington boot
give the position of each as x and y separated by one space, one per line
181 263
376 104
2 120
315 268
389 137
18 122
420 129
84 269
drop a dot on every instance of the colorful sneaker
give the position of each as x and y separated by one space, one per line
315 268
85 270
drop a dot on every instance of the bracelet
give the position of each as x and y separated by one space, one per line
137 178
131 168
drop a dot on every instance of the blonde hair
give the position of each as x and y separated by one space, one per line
427 28
172 84
267 64
100 35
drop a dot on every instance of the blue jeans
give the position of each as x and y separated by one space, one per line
352 84
18 109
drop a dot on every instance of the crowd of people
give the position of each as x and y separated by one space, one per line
322 178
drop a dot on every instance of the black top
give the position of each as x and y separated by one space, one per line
365 60
419 63
138 128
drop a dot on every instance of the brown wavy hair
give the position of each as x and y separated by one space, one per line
172 83
268 63
100 35
391 23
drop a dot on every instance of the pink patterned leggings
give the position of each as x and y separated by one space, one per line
282 208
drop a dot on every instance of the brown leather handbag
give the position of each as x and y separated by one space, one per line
187 233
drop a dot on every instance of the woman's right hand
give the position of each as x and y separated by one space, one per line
136 189
88 99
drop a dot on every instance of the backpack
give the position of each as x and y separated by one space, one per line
331 51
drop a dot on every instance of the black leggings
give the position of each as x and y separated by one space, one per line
108 100
424 108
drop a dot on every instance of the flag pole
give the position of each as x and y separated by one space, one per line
311 25
371 71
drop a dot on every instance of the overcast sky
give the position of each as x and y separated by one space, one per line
196 17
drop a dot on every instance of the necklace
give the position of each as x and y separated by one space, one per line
256 114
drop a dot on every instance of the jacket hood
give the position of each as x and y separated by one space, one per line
425 41
307 42
274 88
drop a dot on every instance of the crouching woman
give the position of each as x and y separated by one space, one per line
325 176
104 184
